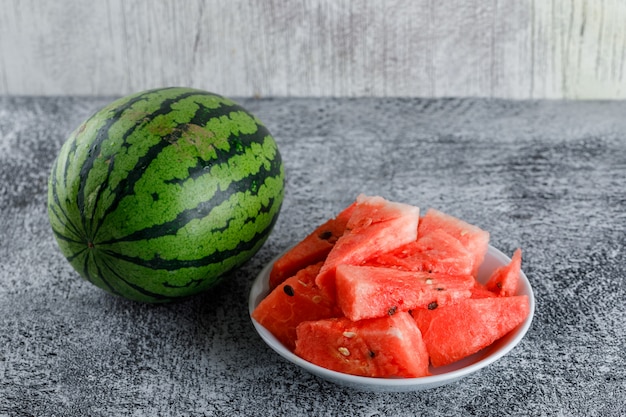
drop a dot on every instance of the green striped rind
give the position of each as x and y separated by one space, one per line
161 193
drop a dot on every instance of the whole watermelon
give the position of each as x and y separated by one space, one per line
160 194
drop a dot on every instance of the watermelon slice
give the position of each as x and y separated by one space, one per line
366 292
385 347
480 291
295 300
434 251
376 226
312 249
457 330
471 237
504 280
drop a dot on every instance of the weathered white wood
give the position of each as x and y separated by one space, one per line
579 49
496 48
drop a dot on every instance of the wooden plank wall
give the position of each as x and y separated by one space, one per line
573 49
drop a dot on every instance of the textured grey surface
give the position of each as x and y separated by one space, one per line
546 176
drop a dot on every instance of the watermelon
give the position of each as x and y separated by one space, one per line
390 346
480 291
375 226
474 239
434 251
504 280
161 193
457 330
366 292
445 244
295 300
312 249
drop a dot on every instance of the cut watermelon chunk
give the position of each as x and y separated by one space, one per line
504 280
480 291
457 330
435 251
376 226
366 292
295 300
472 238
384 347
312 249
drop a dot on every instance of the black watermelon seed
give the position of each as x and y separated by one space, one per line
289 290
433 305
326 235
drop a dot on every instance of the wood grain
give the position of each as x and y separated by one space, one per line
572 49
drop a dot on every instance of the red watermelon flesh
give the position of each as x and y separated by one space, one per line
474 239
376 226
391 346
435 251
505 279
366 292
295 300
312 249
480 291
457 330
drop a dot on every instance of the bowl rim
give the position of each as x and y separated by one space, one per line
487 356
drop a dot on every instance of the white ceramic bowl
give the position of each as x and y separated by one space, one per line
440 376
